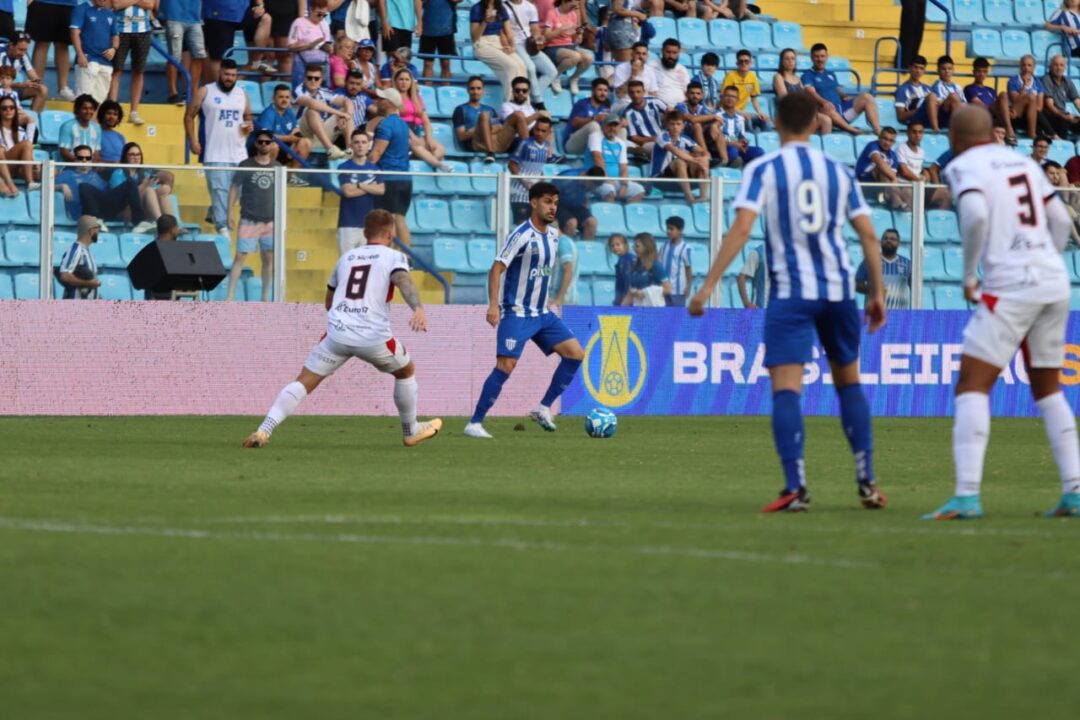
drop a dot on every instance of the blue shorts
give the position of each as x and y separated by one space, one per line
546 331
846 108
253 235
922 115
790 326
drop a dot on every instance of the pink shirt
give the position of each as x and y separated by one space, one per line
304 31
338 66
555 19
412 113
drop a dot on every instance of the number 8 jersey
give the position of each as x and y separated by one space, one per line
1020 259
806 197
359 315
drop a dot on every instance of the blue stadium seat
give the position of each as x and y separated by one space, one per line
756 35
1042 41
942 227
584 293
1061 151
114 286
106 252
1029 12
432 215
855 254
949 297
935 14
968 12
934 264
7 289
481 252
954 262
470 216
861 141
131 242
255 97
998 12
686 213
724 34
1015 44
902 221
693 33
455 183
61 243
1050 7
882 219
986 43
768 140
49 129
933 145
1071 266
266 91
431 102
488 184
645 218
886 112
610 218
665 28
451 254
558 105
840 146
593 259
449 97
22 247
731 178
27 286
603 292
702 218
14 210
422 184
444 133
1074 300
788 35
700 261
253 288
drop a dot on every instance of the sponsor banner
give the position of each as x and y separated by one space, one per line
660 361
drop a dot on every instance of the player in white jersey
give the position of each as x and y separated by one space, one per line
1011 220
519 287
806 197
358 325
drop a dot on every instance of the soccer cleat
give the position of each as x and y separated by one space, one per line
870 497
542 417
476 430
424 431
1068 506
257 439
958 508
789 501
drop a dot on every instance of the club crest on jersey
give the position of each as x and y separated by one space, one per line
510 343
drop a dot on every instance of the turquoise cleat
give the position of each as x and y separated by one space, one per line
1068 506
958 508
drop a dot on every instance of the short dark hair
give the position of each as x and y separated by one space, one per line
107 106
282 86
542 120
676 222
981 63
313 66
1047 164
915 123
945 59
635 83
75 150
229 64
361 131
474 78
595 171
520 79
917 60
83 99
672 42
817 46
710 58
743 53
888 130
597 82
640 44
1043 137
671 115
693 85
890 230
796 111
542 189
734 88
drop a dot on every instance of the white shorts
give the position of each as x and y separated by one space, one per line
328 356
999 328
609 189
350 238
93 80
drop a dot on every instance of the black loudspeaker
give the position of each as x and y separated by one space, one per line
167 265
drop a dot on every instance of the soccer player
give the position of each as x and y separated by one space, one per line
813 287
520 310
1013 223
358 325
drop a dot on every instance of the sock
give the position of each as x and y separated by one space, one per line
855 418
489 394
971 434
287 400
787 425
405 392
562 376
1061 432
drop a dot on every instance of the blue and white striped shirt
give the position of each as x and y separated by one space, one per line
646 121
359 103
733 127
662 157
806 197
1062 16
133 19
943 90
530 157
529 256
78 255
674 258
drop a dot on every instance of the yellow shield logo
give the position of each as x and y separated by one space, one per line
615 338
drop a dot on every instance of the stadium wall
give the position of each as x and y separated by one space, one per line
162 358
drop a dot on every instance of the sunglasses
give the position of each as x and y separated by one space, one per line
264 142
320 14
313 77
521 90
7 107
84 158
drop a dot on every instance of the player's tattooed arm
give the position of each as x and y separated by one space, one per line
404 282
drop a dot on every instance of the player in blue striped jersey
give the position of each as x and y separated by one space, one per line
806 196
519 285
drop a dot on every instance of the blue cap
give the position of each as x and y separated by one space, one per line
365 43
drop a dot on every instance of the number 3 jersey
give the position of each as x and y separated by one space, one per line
1020 259
360 312
806 197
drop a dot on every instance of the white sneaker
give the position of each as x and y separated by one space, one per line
444 167
223 231
32 186
556 86
336 153
476 430
542 417
144 227
134 118
67 93
574 89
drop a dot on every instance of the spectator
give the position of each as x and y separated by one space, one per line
7 19
527 165
940 198
519 103
493 42
398 19
339 15
1068 194
78 271
676 261
360 186
283 13
280 119
575 185
913 97
310 40
978 93
671 77
184 34
256 26
624 262
133 28
48 23
912 23
732 123
7 89
476 128
14 147
912 157
320 112
586 117
786 80
827 88
896 272
1026 97
1040 149
341 61
1066 20
637 67
70 180
947 94
701 123
649 286
676 156
879 163
391 153
93 26
365 51
397 60
525 27
153 188
14 55
644 118
109 116
746 82
255 191
81 129
353 98
226 119
168 229
754 270
1060 95
421 137
221 20
565 280
624 27
608 151
438 36
710 80
563 35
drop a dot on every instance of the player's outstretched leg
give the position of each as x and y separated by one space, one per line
855 417
971 435
488 395
572 354
787 426
287 400
413 432
1061 432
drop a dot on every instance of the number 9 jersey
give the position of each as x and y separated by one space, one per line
806 198
359 314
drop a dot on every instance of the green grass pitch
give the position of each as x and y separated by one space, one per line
151 568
